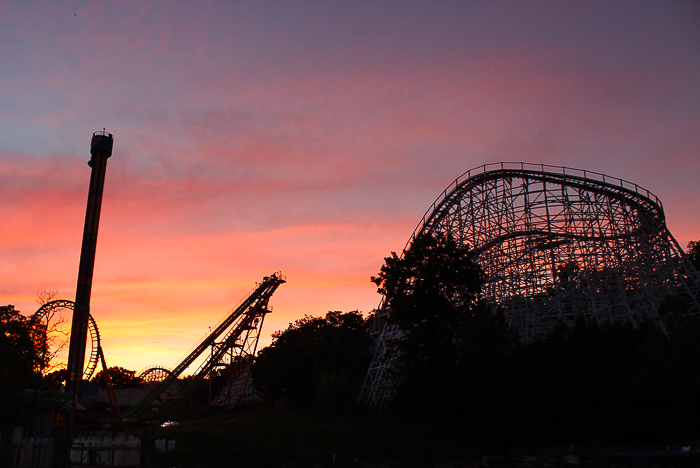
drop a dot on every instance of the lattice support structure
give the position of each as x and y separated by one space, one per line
555 243
239 388
237 360
377 388
232 333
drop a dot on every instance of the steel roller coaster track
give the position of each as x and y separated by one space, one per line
231 334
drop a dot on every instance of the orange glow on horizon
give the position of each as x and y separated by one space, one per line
255 138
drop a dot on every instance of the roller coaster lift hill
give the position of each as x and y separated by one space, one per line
233 342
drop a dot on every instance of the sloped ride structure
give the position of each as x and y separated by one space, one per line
232 341
555 243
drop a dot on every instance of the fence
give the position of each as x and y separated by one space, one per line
105 450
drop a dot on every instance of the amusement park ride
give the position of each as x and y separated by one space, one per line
231 345
555 243
237 337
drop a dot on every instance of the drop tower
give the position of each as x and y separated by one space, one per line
100 150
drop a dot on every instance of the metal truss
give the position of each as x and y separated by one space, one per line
239 388
377 389
237 362
555 243
234 332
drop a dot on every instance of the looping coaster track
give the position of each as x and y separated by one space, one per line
555 243
41 322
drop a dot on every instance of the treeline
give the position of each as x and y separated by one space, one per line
606 382
592 383
462 367
315 361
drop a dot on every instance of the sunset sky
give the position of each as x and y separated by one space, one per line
308 137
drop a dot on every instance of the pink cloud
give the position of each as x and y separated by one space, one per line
309 139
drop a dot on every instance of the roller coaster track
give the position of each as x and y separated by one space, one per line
39 324
555 244
242 318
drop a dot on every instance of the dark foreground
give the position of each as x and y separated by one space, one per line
313 438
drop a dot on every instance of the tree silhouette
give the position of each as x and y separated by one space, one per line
51 334
315 360
19 365
120 378
453 346
694 253
19 360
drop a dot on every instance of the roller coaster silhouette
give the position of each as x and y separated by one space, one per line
555 243
232 345
233 341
